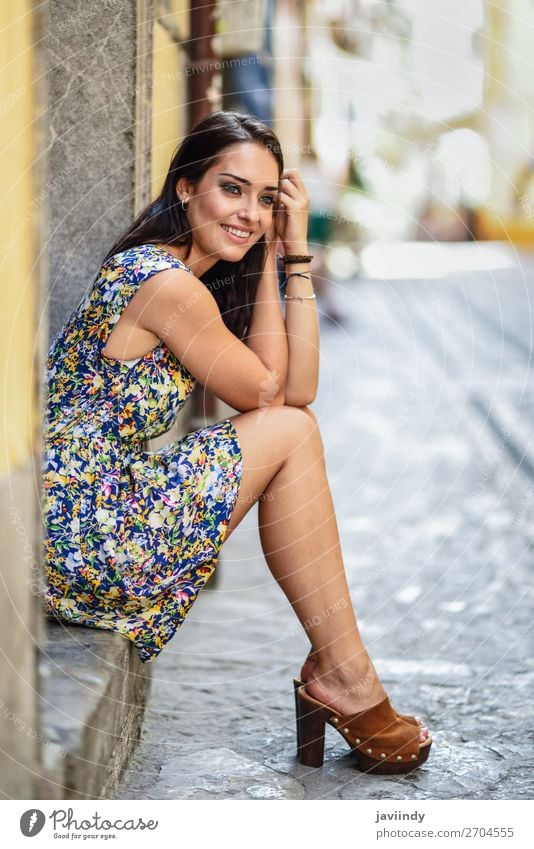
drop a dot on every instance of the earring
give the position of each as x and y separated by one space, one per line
184 205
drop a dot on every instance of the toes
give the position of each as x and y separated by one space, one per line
421 724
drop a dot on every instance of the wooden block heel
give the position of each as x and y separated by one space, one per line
382 742
296 685
310 731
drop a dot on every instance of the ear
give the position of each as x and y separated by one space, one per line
182 188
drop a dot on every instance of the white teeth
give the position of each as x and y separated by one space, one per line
242 233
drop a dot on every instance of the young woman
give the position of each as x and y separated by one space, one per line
190 293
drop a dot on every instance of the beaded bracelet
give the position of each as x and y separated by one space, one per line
295 257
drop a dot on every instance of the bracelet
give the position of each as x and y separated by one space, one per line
297 274
299 297
295 257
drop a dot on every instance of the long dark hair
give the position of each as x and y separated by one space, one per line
232 284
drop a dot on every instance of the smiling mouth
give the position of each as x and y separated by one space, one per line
236 234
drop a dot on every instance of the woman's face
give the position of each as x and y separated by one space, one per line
232 205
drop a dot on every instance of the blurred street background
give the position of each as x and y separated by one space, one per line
412 125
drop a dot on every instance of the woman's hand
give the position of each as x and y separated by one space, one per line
290 213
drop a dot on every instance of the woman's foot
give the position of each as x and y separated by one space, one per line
346 690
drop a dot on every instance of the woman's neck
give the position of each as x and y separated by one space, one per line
198 263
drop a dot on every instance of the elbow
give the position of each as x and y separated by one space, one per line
301 399
279 400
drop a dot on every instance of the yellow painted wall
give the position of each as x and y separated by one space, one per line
18 421
508 121
169 114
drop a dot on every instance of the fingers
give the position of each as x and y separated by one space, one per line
294 177
293 200
291 186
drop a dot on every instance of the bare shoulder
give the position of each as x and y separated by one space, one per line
172 292
180 310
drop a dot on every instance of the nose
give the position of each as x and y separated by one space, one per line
250 213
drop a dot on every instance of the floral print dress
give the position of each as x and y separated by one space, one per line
130 537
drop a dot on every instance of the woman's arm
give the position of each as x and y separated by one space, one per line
301 320
290 342
266 334
302 328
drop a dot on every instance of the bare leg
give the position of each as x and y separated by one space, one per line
300 540
284 461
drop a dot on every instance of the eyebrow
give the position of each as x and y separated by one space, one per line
246 182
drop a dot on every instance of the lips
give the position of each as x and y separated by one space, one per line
239 237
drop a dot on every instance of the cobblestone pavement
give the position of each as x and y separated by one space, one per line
426 409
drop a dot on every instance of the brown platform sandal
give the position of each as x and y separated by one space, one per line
381 741
297 682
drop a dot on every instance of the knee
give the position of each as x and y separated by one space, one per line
311 432
309 413
302 416
300 423
285 423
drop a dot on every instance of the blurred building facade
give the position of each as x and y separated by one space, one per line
429 111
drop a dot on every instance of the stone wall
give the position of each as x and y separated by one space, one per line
100 69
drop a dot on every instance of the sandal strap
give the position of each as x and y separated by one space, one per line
379 733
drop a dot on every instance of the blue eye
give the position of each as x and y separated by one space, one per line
230 186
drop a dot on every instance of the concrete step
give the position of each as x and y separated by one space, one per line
94 691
